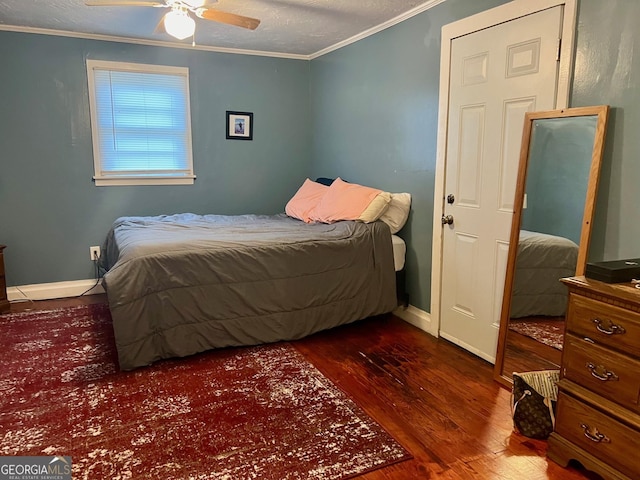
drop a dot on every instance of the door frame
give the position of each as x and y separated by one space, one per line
483 20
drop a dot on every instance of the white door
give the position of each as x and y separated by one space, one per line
496 75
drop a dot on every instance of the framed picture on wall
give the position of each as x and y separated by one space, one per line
239 125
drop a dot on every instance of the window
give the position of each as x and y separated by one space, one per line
140 122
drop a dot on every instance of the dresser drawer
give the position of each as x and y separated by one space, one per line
605 324
607 439
603 371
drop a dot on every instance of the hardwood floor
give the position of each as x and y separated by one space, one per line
439 401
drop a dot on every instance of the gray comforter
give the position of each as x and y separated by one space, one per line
182 284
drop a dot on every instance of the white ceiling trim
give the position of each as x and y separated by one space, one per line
235 51
378 28
153 43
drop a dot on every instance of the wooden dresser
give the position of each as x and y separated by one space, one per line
598 414
4 301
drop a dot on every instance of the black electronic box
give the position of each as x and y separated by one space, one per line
615 271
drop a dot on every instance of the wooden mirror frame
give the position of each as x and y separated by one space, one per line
601 112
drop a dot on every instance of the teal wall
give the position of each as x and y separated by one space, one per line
367 112
50 210
558 175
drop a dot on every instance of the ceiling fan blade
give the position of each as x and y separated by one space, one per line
200 3
125 3
160 28
229 18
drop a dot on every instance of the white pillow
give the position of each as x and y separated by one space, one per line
396 215
376 208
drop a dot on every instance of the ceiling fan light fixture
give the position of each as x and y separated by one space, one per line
179 24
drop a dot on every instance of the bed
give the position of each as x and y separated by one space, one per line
541 262
182 284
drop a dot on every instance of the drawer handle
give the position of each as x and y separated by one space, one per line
601 373
594 435
610 329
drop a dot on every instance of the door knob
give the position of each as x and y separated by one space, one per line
447 219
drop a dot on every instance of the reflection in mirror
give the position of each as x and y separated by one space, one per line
553 209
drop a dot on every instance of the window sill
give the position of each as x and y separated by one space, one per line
125 181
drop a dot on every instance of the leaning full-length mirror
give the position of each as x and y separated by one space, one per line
553 210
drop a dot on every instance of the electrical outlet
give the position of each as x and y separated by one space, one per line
94 252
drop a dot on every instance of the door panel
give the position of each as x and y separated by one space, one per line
513 115
466 258
469 161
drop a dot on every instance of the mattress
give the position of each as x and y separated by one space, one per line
399 252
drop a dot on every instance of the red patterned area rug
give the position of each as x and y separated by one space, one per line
547 331
243 413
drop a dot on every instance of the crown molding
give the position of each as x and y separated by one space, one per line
152 43
378 28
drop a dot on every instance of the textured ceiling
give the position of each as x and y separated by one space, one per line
304 28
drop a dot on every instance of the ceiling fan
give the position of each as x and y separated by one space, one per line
178 22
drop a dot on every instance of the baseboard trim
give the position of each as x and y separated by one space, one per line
416 317
50 291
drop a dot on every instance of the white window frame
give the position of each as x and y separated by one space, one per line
139 178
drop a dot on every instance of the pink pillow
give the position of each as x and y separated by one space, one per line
343 201
305 200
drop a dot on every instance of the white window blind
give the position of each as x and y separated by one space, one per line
140 123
